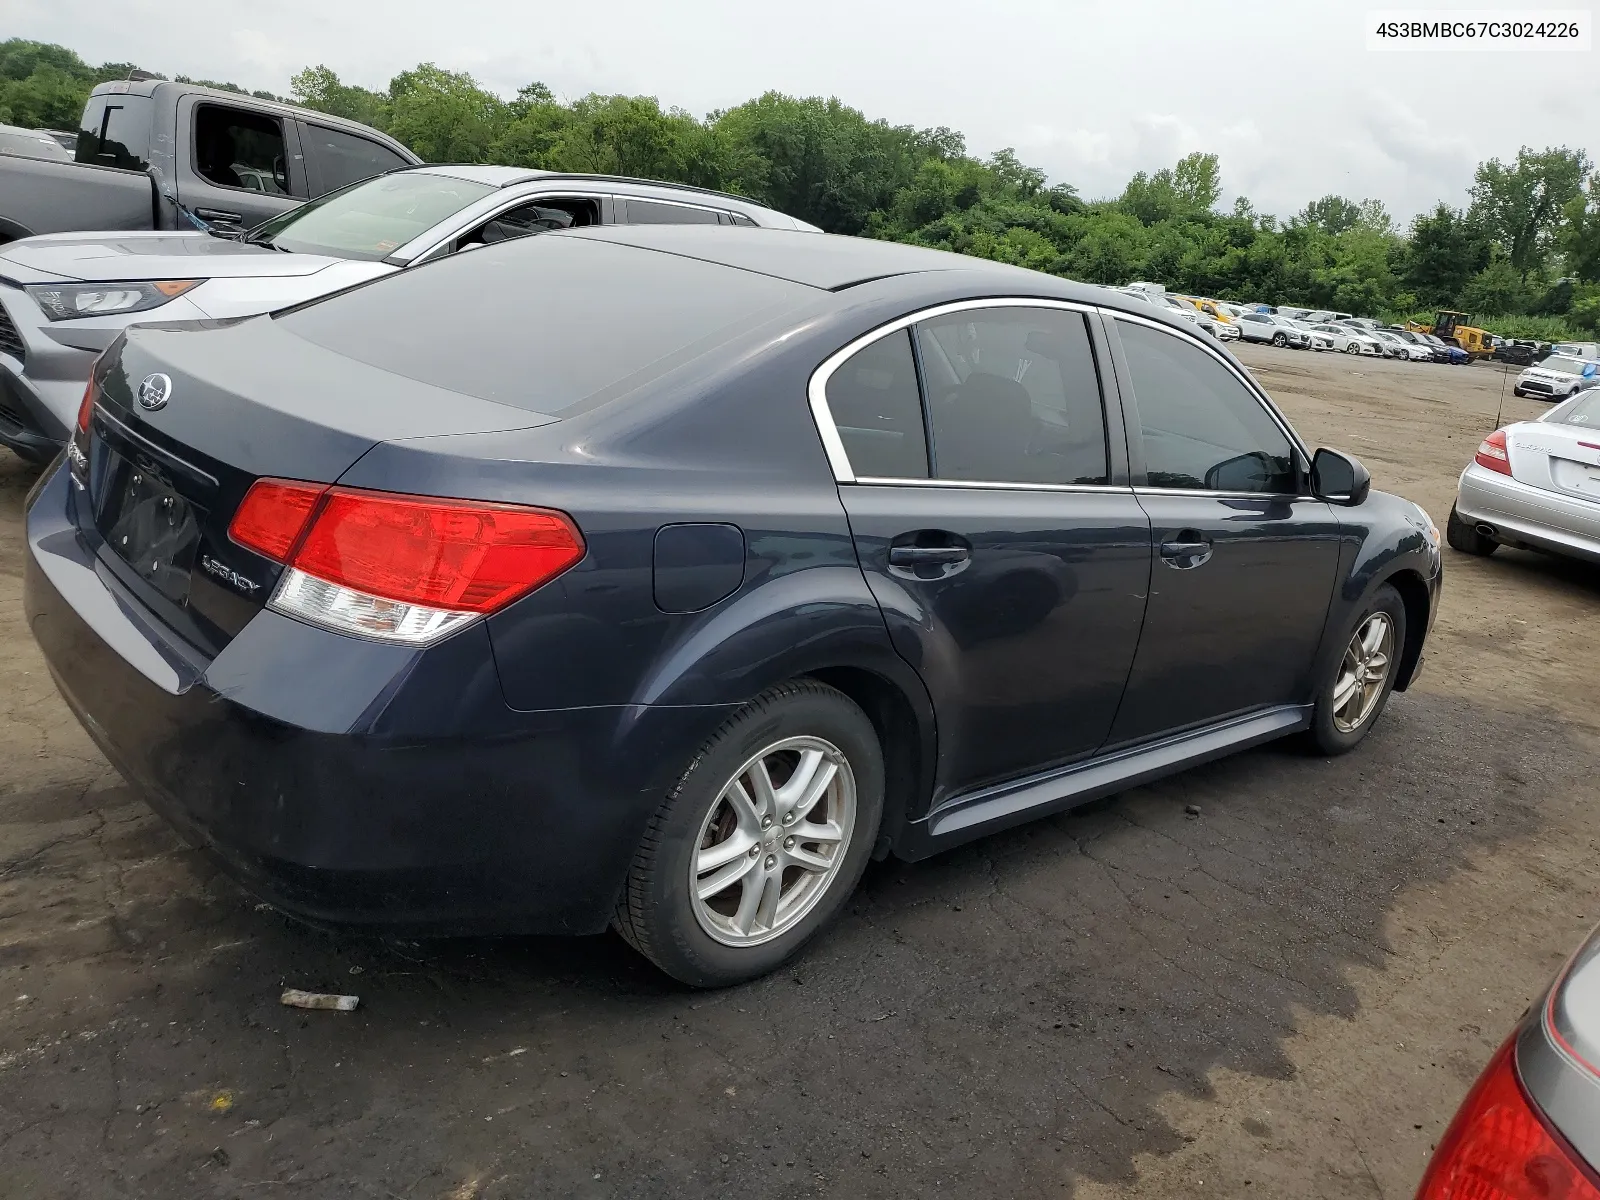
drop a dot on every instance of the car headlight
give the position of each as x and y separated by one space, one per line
69 301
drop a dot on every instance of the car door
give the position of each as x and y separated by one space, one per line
1245 560
1255 327
993 518
242 166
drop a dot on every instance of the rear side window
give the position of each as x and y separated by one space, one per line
1014 397
652 212
240 149
1200 427
115 132
876 408
343 158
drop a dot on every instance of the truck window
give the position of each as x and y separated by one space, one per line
234 147
115 132
339 159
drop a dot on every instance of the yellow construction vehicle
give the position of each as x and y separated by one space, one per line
1454 325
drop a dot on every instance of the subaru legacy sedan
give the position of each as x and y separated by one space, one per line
660 578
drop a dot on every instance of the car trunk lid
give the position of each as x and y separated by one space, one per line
222 405
1556 458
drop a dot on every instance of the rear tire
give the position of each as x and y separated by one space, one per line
1357 685
1465 538
729 810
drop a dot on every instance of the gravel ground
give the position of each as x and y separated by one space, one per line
1285 995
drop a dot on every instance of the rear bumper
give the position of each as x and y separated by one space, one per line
351 782
1529 516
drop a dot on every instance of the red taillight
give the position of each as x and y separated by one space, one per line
457 555
273 514
1499 1147
1492 453
86 407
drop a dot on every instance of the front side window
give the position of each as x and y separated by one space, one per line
1200 427
651 212
875 406
344 158
538 216
372 219
240 149
1013 397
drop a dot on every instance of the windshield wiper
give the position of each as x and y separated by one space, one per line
267 242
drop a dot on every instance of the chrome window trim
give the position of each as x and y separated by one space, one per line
1250 386
817 388
487 208
991 485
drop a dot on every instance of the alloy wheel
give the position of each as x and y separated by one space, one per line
1365 669
773 841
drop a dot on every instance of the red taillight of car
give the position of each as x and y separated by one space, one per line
273 515
403 568
1499 1147
1492 453
86 407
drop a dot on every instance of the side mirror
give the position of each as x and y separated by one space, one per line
1338 478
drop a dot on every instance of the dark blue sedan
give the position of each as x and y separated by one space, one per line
662 576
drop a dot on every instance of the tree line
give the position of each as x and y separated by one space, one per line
1523 254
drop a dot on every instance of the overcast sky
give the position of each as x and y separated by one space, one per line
1285 92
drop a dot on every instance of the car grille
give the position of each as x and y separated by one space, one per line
1533 385
10 339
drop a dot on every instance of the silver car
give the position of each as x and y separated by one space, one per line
1556 378
1269 327
1534 484
65 297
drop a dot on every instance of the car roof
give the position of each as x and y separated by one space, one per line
829 262
498 176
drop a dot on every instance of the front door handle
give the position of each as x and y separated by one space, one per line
219 216
927 556
1187 549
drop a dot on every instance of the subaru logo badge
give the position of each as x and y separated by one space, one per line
154 391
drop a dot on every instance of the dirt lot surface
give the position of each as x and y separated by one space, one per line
1285 996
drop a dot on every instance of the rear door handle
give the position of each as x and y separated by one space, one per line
924 556
1188 549
220 216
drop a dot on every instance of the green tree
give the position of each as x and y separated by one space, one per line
1333 214
1580 236
444 115
1444 252
1498 288
319 88
1522 204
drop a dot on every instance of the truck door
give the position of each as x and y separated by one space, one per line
237 165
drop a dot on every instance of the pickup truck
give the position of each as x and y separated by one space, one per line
157 155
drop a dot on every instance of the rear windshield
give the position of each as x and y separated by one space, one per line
1585 410
544 323
372 219
31 145
115 132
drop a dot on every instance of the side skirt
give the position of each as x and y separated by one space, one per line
974 814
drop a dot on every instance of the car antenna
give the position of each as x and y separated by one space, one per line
1502 406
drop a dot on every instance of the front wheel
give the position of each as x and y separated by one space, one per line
1356 690
1352 348
1280 340
762 840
